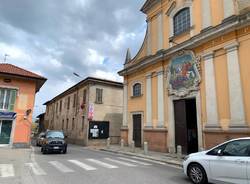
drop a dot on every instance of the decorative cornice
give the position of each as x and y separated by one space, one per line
148 5
235 23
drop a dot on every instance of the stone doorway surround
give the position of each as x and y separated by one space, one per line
130 126
171 125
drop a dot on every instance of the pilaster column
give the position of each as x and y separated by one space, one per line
149 49
206 14
160 31
228 8
125 104
237 111
149 100
160 99
211 99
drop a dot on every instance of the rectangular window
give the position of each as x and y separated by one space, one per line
67 124
74 101
83 119
84 96
57 107
99 95
73 123
63 124
68 105
7 99
60 108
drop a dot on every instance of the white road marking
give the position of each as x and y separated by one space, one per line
37 170
121 162
153 161
134 161
61 167
109 166
82 165
7 170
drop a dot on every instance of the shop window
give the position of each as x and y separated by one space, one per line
7 99
137 90
182 21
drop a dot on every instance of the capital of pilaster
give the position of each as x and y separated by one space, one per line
208 55
232 46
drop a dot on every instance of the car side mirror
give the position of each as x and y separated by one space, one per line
219 152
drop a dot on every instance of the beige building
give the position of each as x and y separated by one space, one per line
89 112
189 83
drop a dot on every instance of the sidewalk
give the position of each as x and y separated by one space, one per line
155 156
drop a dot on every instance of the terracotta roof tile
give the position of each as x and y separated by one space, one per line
14 70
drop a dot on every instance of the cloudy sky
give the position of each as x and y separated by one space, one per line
55 38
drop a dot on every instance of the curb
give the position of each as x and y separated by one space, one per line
174 163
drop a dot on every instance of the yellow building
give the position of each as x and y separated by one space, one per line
188 84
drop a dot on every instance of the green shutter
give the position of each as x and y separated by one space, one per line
12 100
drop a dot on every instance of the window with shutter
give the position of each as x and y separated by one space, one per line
99 95
7 99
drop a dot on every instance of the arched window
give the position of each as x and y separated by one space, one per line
182 21
137 89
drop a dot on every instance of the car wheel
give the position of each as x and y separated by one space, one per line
44 151
197 174
65 150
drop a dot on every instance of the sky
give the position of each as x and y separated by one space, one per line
56 38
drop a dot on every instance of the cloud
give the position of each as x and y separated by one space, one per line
59 37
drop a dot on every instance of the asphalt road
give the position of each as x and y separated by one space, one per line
82 165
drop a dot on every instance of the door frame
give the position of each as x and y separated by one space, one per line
171 126
12 132
130 126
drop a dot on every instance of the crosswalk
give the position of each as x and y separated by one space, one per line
73 165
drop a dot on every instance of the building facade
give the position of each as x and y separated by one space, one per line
89 112
188 84
18 88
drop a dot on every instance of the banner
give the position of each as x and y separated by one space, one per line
91 112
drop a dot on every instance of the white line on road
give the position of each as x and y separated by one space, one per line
109 166
82 165
153 161
7 170
121 162
61 167
37 170
134 161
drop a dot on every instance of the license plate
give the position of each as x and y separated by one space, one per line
56 147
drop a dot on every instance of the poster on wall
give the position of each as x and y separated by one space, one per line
98 129
91 112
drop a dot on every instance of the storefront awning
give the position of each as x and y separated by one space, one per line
7 115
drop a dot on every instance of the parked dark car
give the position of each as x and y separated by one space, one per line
40 138
54 141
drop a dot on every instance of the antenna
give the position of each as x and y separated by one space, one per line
5 57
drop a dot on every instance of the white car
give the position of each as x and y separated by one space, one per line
228 162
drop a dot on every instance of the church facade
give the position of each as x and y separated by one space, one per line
188 84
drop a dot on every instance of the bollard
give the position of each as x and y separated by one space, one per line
171 150
108 143
145 148
133 146
179 152
122 143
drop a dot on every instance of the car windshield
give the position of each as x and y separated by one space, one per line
54 134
